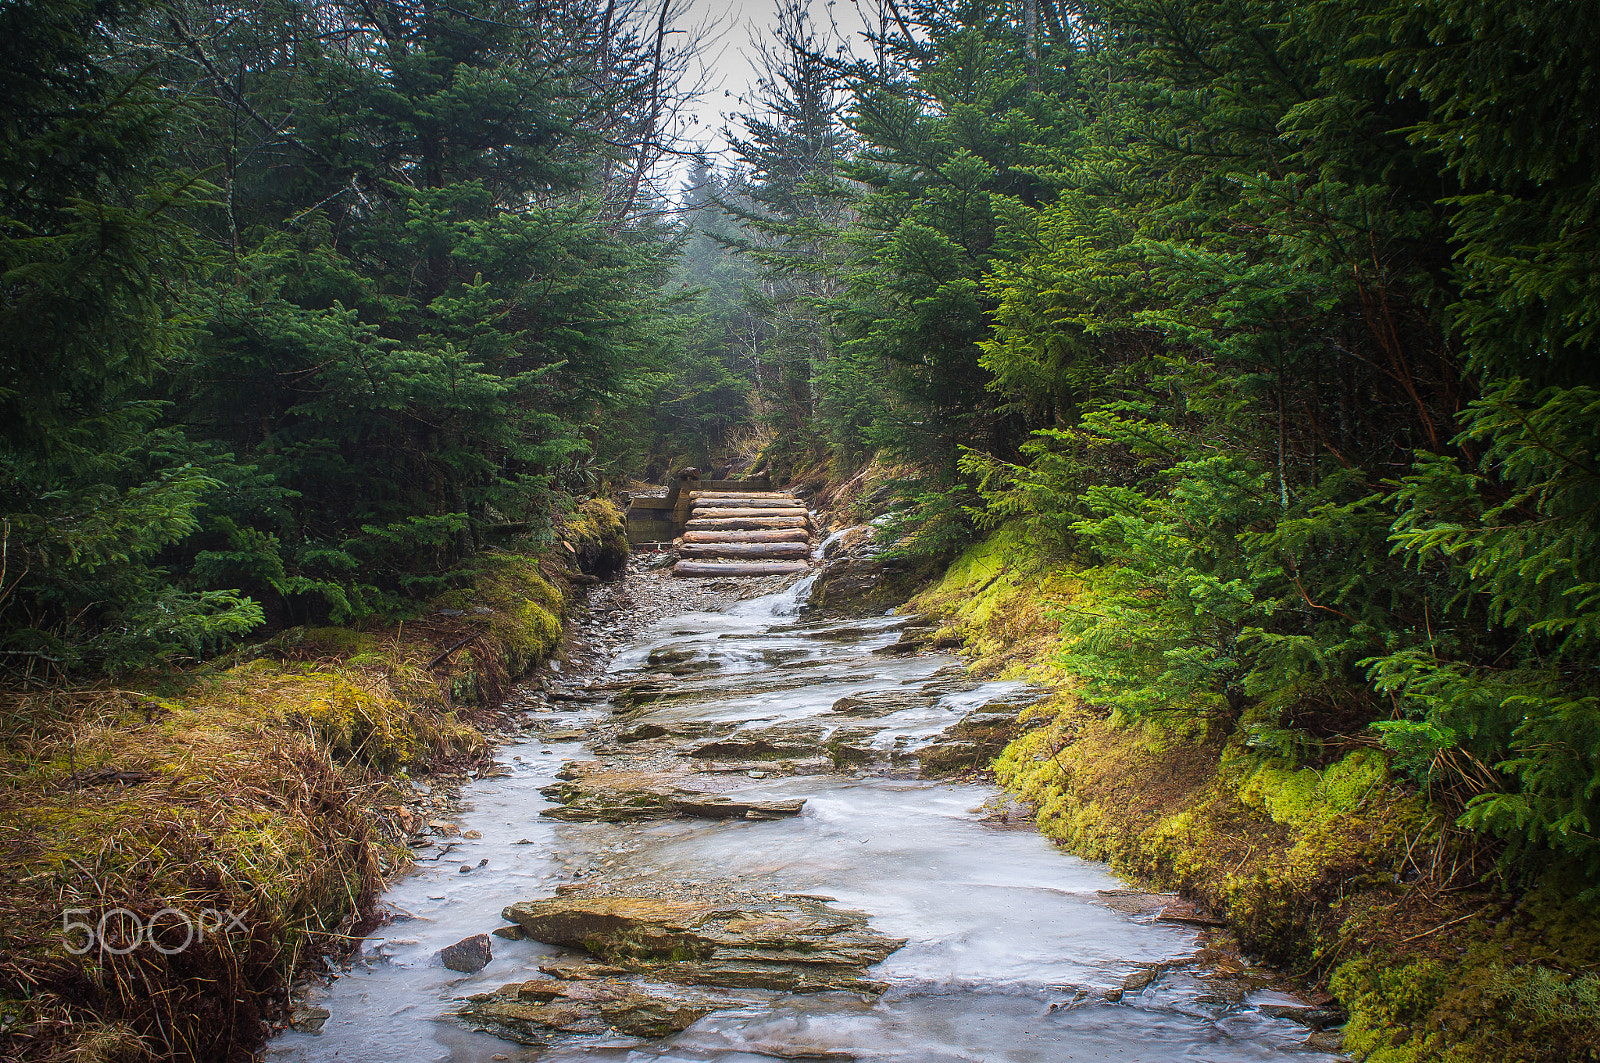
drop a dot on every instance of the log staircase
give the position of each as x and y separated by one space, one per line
725 527
745 533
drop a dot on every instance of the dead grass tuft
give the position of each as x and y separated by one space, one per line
260 788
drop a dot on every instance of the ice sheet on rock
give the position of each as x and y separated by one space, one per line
1013 951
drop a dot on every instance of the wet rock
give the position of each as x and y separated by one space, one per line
659 658
623 796
308 1019
611 797
852 748
856 582
688 730
1135 902
469 955
728 808
793 944
1330 1041
642 732
1316 1018
577 970
1187 914
971 744
510 933
528 1012
879 703
775 743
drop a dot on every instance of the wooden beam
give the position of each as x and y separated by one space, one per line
739 568
746 523
748 503
791 535
752 551
724 514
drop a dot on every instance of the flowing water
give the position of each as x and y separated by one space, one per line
1012 946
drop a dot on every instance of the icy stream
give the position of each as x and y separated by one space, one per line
1012 947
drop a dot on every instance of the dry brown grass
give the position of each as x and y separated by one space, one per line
260 788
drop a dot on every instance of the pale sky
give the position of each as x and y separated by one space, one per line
730 60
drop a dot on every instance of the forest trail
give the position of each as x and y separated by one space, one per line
731 812
745 533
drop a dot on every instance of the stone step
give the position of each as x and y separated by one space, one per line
739 568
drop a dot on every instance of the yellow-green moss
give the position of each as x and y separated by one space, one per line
597 536
1303 797
1324 867
1002 596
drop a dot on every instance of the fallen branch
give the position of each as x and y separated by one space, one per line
445 656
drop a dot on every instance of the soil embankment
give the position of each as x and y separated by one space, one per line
178 847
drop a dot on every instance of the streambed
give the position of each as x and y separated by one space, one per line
1013 951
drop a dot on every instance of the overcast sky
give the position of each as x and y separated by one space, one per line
730 61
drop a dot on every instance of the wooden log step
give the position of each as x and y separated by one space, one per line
716 514
751 551
748 503
745 523
741 494
791 535
739 568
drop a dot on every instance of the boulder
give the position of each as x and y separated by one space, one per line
856 582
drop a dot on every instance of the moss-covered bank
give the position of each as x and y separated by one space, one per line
1334 868
269 785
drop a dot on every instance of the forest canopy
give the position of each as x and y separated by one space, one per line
1278 319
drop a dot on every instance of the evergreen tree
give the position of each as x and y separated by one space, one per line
91 254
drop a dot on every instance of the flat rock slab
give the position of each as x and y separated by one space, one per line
619 797
706 807
794 944
530 1012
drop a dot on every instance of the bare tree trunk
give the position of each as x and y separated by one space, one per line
1030 29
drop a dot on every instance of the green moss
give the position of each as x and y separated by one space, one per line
1309 865
597 535
337 641
529 631
1003 596
1307 796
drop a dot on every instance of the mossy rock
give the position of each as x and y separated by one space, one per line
598 534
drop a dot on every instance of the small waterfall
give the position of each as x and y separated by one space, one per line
822 547
783 603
